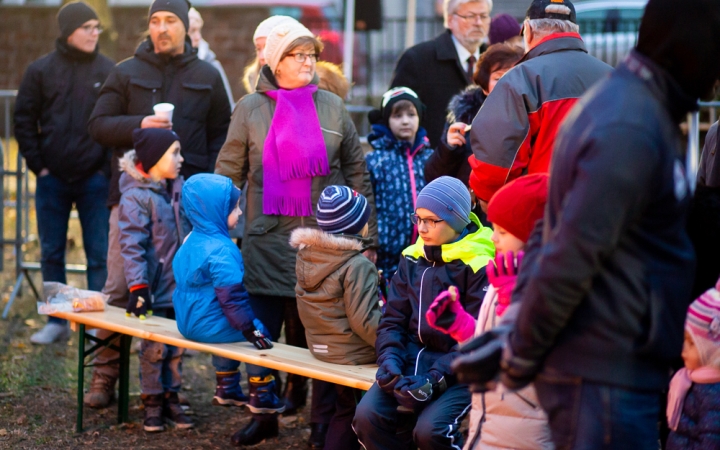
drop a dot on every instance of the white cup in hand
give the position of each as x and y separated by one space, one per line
164 110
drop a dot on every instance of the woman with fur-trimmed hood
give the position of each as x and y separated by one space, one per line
337 295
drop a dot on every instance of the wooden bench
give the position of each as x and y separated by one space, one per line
281 357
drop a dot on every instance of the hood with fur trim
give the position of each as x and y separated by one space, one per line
464 106
320 254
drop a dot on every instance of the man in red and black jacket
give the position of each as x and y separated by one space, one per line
514 132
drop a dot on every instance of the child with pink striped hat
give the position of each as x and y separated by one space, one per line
693 409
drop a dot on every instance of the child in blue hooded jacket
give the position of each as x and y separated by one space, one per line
211 303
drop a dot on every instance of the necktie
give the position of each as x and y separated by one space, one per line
471 66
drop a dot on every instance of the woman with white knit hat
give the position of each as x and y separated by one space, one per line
288 140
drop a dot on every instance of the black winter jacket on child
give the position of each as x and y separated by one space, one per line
403 334
699 427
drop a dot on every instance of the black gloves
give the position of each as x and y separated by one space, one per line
388 375
490 356
256 338
139 303
414 392
479 365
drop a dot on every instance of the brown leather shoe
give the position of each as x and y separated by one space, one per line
102 387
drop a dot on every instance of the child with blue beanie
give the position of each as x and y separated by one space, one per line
414 358
211 303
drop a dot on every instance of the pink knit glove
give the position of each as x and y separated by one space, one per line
446 314
502 274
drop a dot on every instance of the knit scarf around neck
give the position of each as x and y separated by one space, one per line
679 387
293 153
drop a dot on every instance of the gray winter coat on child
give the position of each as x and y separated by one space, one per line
152 227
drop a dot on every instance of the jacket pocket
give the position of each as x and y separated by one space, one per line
196 101
662 323
144 94
262 225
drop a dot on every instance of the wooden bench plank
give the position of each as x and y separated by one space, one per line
281 357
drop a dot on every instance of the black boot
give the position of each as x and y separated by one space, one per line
318 432
296 392
261 427
153 406
174 414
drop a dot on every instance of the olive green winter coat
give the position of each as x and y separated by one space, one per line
269 259
337 296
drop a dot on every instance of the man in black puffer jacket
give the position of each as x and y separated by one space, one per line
604 299
54 102
165 69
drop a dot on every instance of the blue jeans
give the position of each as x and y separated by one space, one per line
590 416
54 199
160 364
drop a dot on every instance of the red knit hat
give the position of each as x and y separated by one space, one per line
519 204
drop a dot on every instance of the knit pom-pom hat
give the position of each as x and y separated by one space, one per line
342 210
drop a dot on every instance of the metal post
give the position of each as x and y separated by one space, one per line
81 378
349 40
124 386
410 23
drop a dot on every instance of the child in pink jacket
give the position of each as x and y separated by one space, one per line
501 419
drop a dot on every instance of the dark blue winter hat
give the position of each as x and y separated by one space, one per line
449 199
151 144
342 210
234 197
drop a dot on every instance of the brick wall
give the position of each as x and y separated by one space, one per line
26 33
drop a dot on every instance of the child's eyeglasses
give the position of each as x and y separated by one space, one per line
430 223
301 57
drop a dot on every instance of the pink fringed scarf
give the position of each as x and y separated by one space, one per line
294 152
679 387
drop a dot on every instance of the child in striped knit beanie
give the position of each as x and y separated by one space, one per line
693 409
337 296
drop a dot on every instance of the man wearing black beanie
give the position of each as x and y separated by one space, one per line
54 102
164 69
601 300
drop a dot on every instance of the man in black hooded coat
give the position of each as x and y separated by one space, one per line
601 302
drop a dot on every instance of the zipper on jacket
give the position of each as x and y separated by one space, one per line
422 281
413 186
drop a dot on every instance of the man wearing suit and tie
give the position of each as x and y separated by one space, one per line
442 67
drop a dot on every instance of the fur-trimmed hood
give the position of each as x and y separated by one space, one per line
320 254
464 106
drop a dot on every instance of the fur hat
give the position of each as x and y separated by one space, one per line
449 199
703 324
280 38
518 205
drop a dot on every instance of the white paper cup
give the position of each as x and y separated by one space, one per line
164 110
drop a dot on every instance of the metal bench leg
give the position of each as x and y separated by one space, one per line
81 378
124 387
